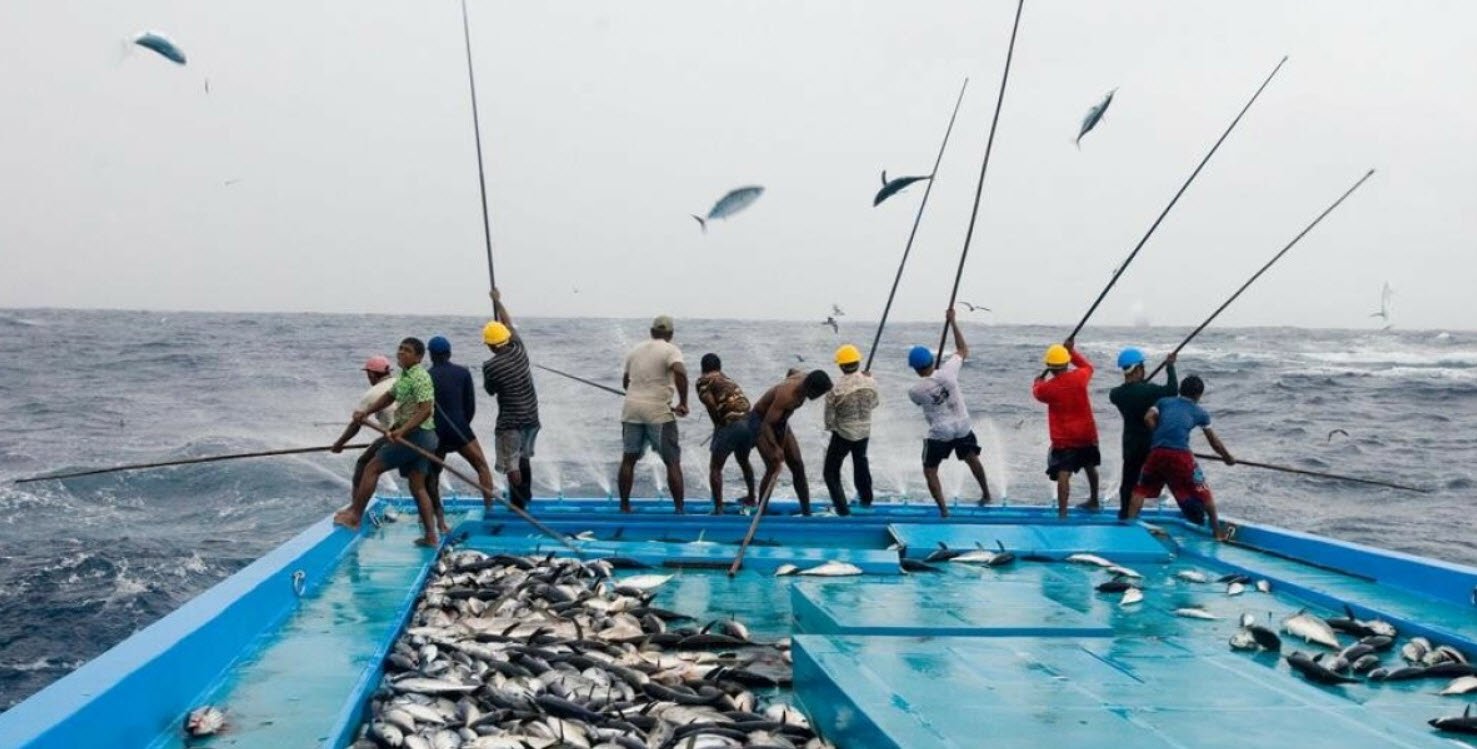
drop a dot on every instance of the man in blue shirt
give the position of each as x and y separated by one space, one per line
456 404
1170 461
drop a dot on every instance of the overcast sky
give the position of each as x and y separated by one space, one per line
344 132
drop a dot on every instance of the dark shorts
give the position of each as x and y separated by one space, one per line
736 438
453 440
1178 470
1071 460
662 438
934 451
513 446
396 455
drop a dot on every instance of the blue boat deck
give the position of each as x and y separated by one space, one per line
1028 654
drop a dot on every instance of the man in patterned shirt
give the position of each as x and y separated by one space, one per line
414 397
729 410
506 375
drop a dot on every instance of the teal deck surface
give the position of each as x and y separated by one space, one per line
968 607
299 679
1121 543
1035 692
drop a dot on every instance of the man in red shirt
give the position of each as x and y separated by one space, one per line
1069 416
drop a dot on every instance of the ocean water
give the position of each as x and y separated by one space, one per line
85 562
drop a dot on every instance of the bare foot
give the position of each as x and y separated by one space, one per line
428 541
443 527
1091 505
347 520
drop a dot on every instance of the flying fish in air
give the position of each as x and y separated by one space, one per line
895 186
1094 116
736 200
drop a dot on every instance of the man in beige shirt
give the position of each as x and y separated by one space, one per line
849 408
654 373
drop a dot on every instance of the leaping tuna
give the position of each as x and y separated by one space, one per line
895 186
1094 116
161 44
736 200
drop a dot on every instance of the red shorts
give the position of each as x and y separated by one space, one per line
1178 470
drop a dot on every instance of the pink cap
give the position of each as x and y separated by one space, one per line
378 364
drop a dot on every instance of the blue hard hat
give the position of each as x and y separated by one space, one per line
1129 358
919 357
438 345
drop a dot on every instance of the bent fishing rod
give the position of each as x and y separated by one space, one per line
979 187
917 219
1154 226
487 490
477 138
577 378
188 461
1315 474
1263 269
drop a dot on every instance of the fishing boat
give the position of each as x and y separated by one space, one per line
292 648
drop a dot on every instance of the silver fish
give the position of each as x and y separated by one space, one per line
1243 640
1235 589
833 569
1194 612
153 40
1192 576
1461 685
1131 596
643 582
785 569
1311 629
1263 586
1123 571
893 187
205 721
1094 116
736 200
1089 559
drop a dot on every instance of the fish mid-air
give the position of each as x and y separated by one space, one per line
736 200
831 321
1094 116
895 186
161 44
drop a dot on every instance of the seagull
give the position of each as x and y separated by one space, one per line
976 307
831 321
799 358
1336 431
836 310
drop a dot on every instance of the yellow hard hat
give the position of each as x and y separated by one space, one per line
1057 355
495 333
848 354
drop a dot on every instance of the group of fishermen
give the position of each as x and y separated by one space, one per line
428 412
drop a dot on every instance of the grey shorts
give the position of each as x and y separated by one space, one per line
661 437
397 455
513 445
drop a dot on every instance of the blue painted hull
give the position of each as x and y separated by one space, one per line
268 637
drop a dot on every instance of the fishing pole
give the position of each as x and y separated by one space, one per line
520 512
1175 199
1264 268
984 166
577 378
188 461
914 232
1318 474
477 137
738 559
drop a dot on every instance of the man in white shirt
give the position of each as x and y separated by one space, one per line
949 427
377 369
654 372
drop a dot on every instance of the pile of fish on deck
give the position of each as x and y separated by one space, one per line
1343 663
509 652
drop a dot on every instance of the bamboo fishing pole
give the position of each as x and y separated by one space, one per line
917 218
738 559
188 461
1264 269
984 167
1316 474
477 138
1152 227
488 490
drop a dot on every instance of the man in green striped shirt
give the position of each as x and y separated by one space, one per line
412 434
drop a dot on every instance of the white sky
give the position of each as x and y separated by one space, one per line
605 124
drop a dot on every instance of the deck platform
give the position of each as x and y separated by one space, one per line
950 607
1120 543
